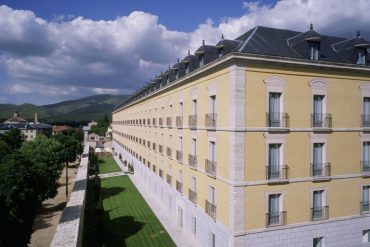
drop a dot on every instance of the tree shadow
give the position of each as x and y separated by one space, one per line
100 161
45 214
117 230
110 191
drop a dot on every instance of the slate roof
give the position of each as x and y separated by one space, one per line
282 43
9 126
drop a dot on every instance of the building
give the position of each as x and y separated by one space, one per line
259 141
61 129
30 130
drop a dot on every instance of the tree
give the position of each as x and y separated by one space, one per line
47 156
4 149
13 138
20 197
101 127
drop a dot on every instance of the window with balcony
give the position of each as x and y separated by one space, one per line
179 118
275 169
319 117
193 190
193 116
365 204
211 202
211 116
365 163
220 52
211 161
179 182
366 112
179 153
319 167
319 211
193 155
275 216
187 68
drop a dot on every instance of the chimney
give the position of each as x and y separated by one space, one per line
16 114
36 118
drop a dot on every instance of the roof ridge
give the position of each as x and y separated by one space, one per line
247 39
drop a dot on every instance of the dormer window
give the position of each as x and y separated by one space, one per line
220 52
361 56
314 50
187 68
168 79
177 74
201 60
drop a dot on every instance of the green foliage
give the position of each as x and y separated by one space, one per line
13 138
101 127
71 146
47 157
20 197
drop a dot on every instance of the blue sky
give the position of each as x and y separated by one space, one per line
182 15
54 50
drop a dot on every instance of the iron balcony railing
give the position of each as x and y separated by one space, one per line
154 146
320 169
321 120
365 206
277 119
211 120
320 213
160 121
160 173
169 179
192 121
365 166
154 168
148 121
365 120
192 161
179 186
169 152
275 218
169 122
160 149
192 196
211 209
154 121
148 143
179 156
210 167
277 173
179 121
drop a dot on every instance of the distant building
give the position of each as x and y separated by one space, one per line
60 128
92 123
29 129
108 134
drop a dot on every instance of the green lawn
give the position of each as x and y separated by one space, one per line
126 219
107 165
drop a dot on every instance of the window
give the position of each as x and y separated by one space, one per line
314 49
180 144
317 159
170 141
212 240
318 242
366 236
317 205
194 225
365 157
361 56
194 146
180 176
212 151
168 79
177 74
274 161
194 107
187 68
366 112
318 110
201 60
212 195
181 109
274 209
274 109
365 199
220 52
194 184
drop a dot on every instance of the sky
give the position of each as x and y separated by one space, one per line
52 50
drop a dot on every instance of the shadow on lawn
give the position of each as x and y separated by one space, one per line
117 230
110 191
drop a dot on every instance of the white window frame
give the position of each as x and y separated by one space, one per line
193 146
210 188
275 139
281 200
365 236
319 87
319 138
275 84
193 183
212 150
324 196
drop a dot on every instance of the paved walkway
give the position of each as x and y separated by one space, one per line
108 175
180 237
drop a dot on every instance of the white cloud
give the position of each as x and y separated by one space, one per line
62 57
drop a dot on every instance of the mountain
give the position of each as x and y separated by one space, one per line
84 109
